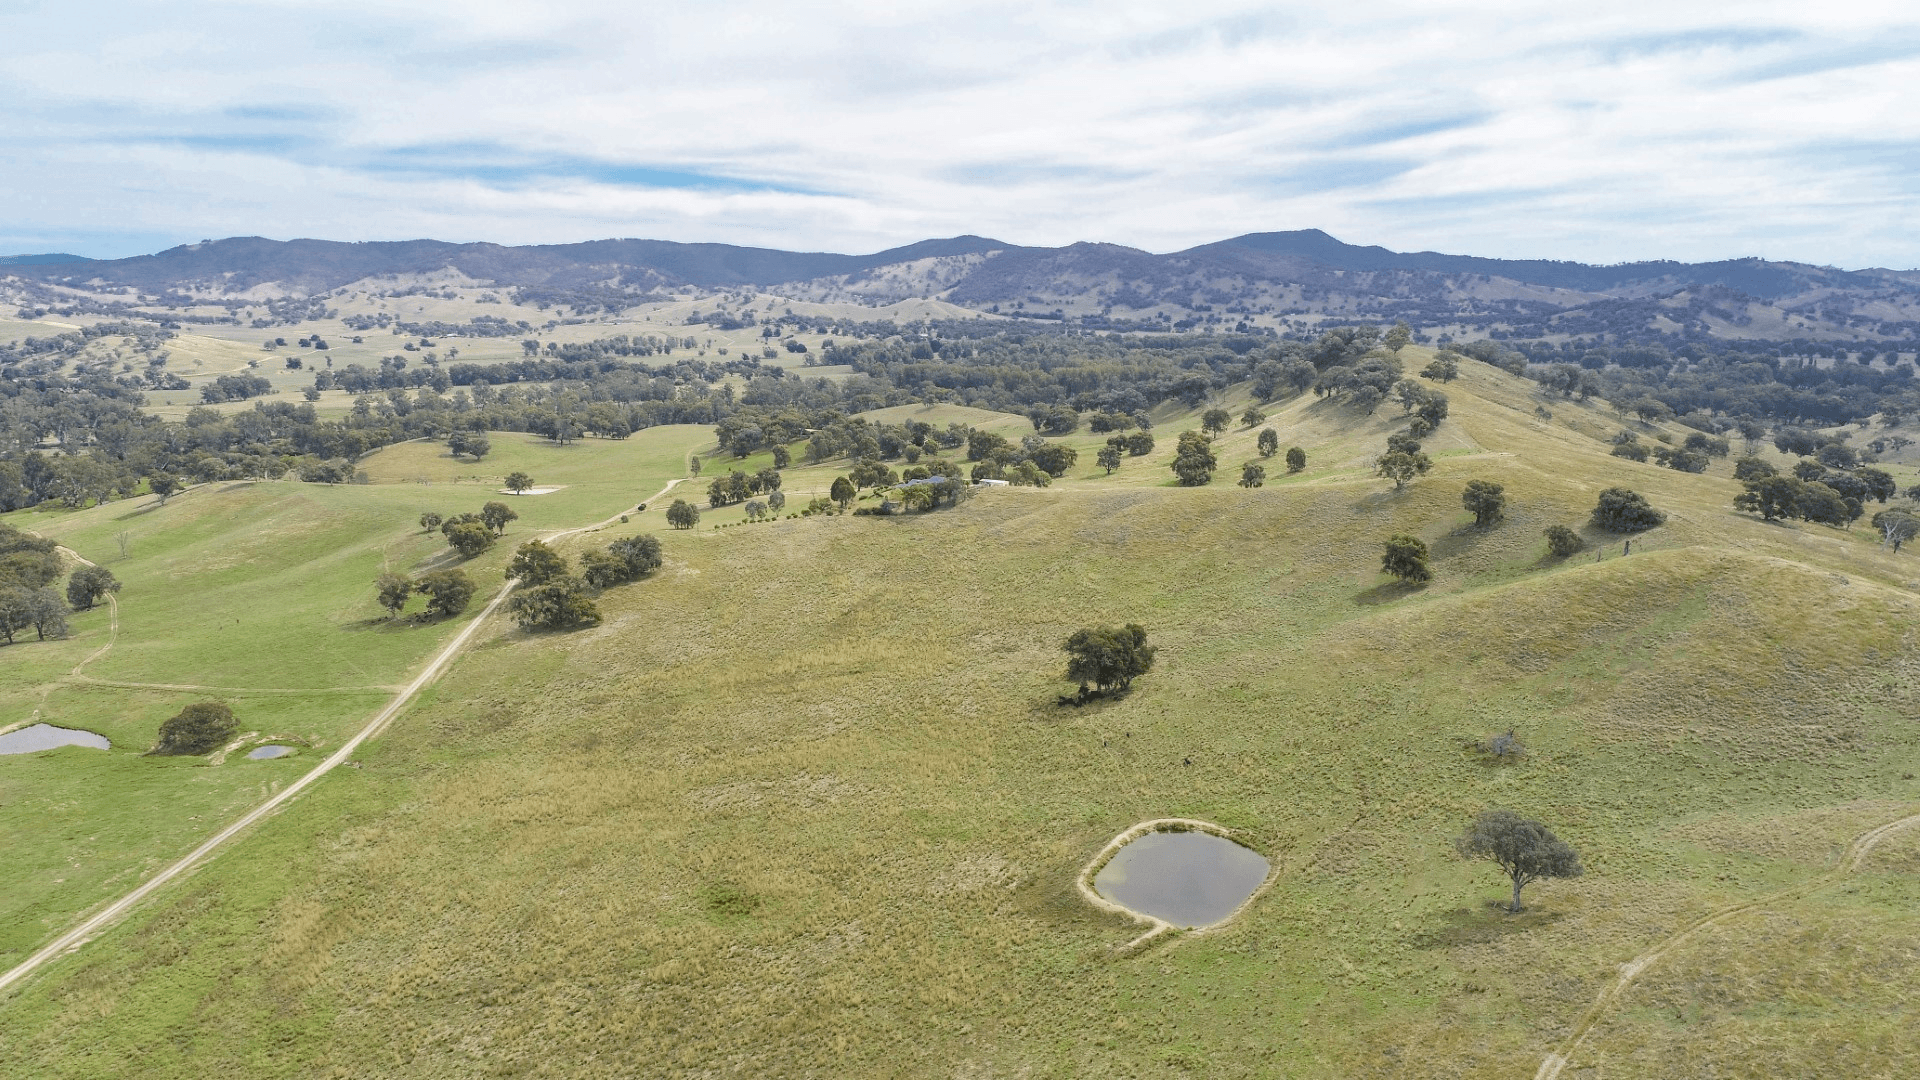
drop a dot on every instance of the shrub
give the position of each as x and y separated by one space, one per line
88 585
1562 541
560 604
1486 500
196 729
1622 511
1505 746
447 591
1406 558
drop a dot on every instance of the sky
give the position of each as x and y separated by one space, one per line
1618 132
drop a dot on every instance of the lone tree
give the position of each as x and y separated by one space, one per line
1215 421
1253 417
1444 368
1108 458
1194 462
1296 459
1268 442
1562 541
196 729
693 465
1406 558
393 590
430 521
495 516
1623 511
843 491
1524 848
536 564
1486 499
683 514
88 585
518 482
447 592
1109 657
163 485
1401 466
1896 526
1252 474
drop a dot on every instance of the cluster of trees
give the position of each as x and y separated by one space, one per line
1617 510
1719 385
1119 447
472 534
40 608
29 566
1425 408
550 597
829 433
1033 461
1831 485
1693 455
738 487
469 443
447 591
234 388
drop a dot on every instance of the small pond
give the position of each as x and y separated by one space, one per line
260 753
46 737
1183 878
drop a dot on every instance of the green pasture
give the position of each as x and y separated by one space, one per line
805 805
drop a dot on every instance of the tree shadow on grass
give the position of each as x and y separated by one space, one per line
1387 592
1063 706
1491 923
138 511
1460 540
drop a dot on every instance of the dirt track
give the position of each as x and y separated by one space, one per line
83 932
1856 854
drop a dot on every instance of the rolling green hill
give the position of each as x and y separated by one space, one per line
804 804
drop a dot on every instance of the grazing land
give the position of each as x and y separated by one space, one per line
805 801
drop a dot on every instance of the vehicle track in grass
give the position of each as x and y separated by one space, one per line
1856 854
92 925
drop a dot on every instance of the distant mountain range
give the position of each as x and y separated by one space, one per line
1302 277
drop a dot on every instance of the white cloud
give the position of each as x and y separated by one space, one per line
1642 130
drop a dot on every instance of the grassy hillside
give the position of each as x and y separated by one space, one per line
259 595
805 805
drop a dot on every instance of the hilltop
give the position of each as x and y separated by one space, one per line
1273 280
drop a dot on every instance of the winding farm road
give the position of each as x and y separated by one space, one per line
1857 852
105 917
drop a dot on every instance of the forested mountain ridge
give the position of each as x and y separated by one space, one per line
1281 280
